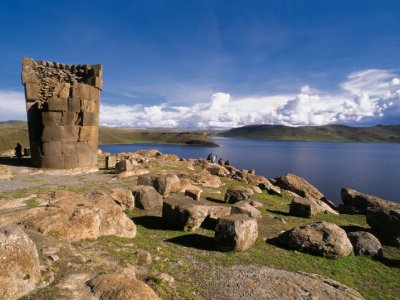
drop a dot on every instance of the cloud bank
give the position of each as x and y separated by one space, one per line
365 97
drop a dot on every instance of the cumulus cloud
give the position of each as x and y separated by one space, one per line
365 97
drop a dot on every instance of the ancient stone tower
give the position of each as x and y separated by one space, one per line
62 103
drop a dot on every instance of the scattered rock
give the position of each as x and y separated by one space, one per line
164 184
256 204
256 189
298 185
360 202
132 173
270 188
120 287
74 216
385 223
123 197
308 207
238 193
54 257
217 170
243 207
144 256
168 157
123 166
236 232
280 219
19 267
205 179
194 193
50 251
147 197
164 278
148 153
365 244
321 238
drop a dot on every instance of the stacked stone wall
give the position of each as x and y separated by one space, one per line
62 103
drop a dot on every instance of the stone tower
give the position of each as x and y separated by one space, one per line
62 103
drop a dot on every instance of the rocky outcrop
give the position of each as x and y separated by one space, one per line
238 193
203 178
236 232
308 208
19 267
194 193
321 238
164 184
183 213
217 170
73 216
147 197
365 244
243 207
360 202
118 286
385 224
62 103
270 188
123 197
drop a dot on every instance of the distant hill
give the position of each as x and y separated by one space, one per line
13 132
334 133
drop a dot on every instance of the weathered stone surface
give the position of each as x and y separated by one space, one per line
144 256
217 170
365 244
132 173
123 165
385 223
298 185
308 207
123 197
321 238
73 216
360 202
19 267
205 179
270 188
147 197
168 157
164 184
243 207
236 232
60 99
238 193
183 213
118 286
111 161
259 282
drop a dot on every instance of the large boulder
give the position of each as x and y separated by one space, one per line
147 197
203 178
123 197
73 216
236 232
308 207
19 267
365 244
118 286
270 188
238 193
360 202
321 238
164 184
181 212
217 170
385 223
298 185
244 207
124 165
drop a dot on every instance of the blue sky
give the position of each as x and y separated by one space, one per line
196 64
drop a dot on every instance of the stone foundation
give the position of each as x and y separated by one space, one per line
62 103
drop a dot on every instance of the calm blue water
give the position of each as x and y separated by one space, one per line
372 168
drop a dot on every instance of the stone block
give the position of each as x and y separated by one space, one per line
88 133
97 70
29 76
52 162
69 148
111 161
81 91
35 153
70 118
51 134
90 119
51 148
69 133
87 157
32 91
51 118
74 104
57 104
89 105
94 93
93 144
71 161
62 90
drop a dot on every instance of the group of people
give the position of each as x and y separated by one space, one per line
212 158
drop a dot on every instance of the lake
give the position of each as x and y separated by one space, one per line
372 168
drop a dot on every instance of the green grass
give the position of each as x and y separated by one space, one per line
31 203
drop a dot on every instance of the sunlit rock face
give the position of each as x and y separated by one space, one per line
62 103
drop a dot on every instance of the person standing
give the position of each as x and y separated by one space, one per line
18 152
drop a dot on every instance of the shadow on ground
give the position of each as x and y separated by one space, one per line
13 161
194 240
278 212
150 222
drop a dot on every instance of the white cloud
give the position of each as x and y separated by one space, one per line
368 96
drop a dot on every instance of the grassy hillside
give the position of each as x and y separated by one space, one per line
12 133
336 133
